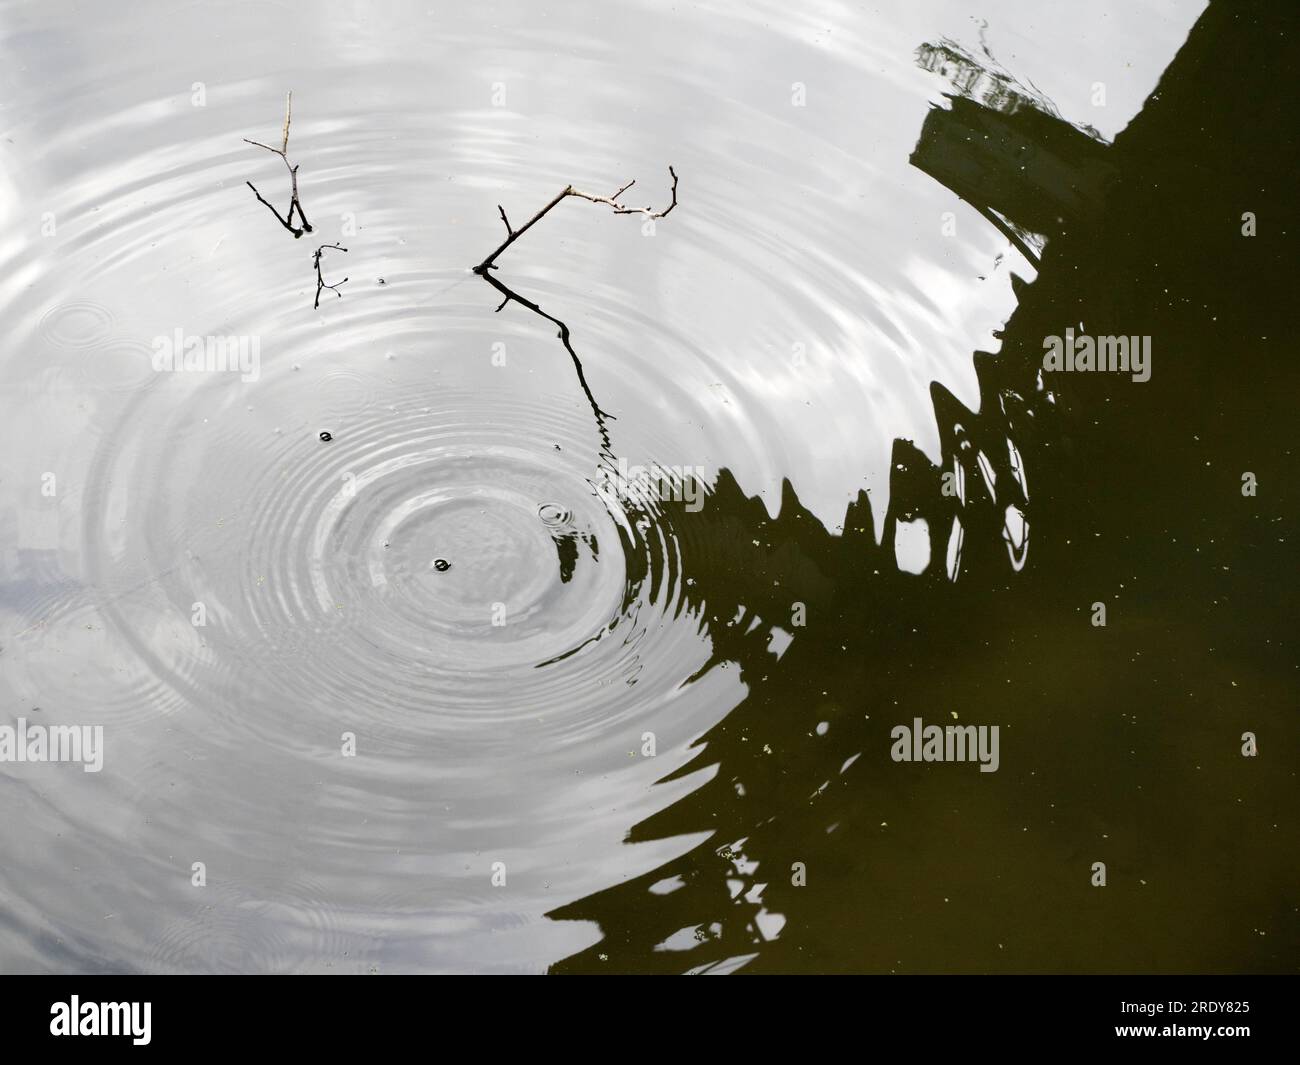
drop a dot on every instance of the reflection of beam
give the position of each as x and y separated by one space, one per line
1008 232
1030 167
980 79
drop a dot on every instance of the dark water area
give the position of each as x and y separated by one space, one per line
559 618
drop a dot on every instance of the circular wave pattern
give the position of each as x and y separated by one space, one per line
119 364
443 566
76 324
414 557
450 577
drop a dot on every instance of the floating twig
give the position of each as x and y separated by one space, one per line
513 234
321 286
283 153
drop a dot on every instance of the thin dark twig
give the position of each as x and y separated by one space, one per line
508 295
296 232
607 463
283 152
513 235
321 286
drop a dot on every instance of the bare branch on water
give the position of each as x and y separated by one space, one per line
283 153
613 201
321 286
508 295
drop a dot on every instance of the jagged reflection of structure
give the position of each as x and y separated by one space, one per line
946 873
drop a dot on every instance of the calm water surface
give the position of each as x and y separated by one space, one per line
807 342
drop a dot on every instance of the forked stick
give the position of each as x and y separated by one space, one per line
513 234
283 153
321 286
